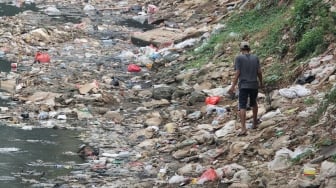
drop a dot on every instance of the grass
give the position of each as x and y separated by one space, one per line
329 99
236 29
288 33
309 101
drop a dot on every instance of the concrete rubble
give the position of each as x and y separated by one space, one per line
152 128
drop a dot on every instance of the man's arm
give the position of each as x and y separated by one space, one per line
260 77
235 80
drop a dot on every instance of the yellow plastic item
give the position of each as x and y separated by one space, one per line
194 181
307 171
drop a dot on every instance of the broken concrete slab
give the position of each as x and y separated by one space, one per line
162 37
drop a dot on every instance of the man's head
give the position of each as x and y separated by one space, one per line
245 46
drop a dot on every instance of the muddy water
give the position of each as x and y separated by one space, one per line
14 7
40 155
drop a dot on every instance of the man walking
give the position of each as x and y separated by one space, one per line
247 71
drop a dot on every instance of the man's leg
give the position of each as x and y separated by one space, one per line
243 120
254 105
242 98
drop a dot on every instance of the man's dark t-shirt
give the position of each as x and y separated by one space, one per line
248 65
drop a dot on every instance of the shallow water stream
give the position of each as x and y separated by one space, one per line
36 156
39 154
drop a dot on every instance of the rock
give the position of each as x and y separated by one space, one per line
195 115
196 97
145 94
203 137
177 115
330 183
89 8
52 11
328 169
162 93
183 153
149 143
184 76
265 124
217 91
237 148
281 142
238 185
191 168
171 127
114 116
208 127
160 37
332 78
203 86
156 103
155 121
41 34
180 93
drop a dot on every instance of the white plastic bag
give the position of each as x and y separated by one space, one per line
294 92
281 160
270 115
228 128
177 179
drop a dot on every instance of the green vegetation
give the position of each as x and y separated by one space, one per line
239 26
330 98
333 158
312 21
295 30
309 101
273 74
309 42
300 158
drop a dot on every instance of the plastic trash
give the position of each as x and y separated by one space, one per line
25 115
140 18
177 179
62 66
270 115
133 68
186 43
309 171
114 81
13 65
212 100
217 91
61 117
228 128
42 57
126 55
89 8
43 115
294 92
162 173
52 11
220 111
208 175
281 160
152 9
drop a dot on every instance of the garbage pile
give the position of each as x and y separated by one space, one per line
146 121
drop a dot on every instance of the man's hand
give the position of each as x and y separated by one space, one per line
261 86
231 90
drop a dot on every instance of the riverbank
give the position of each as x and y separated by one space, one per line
141 112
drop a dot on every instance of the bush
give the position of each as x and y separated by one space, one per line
309 42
